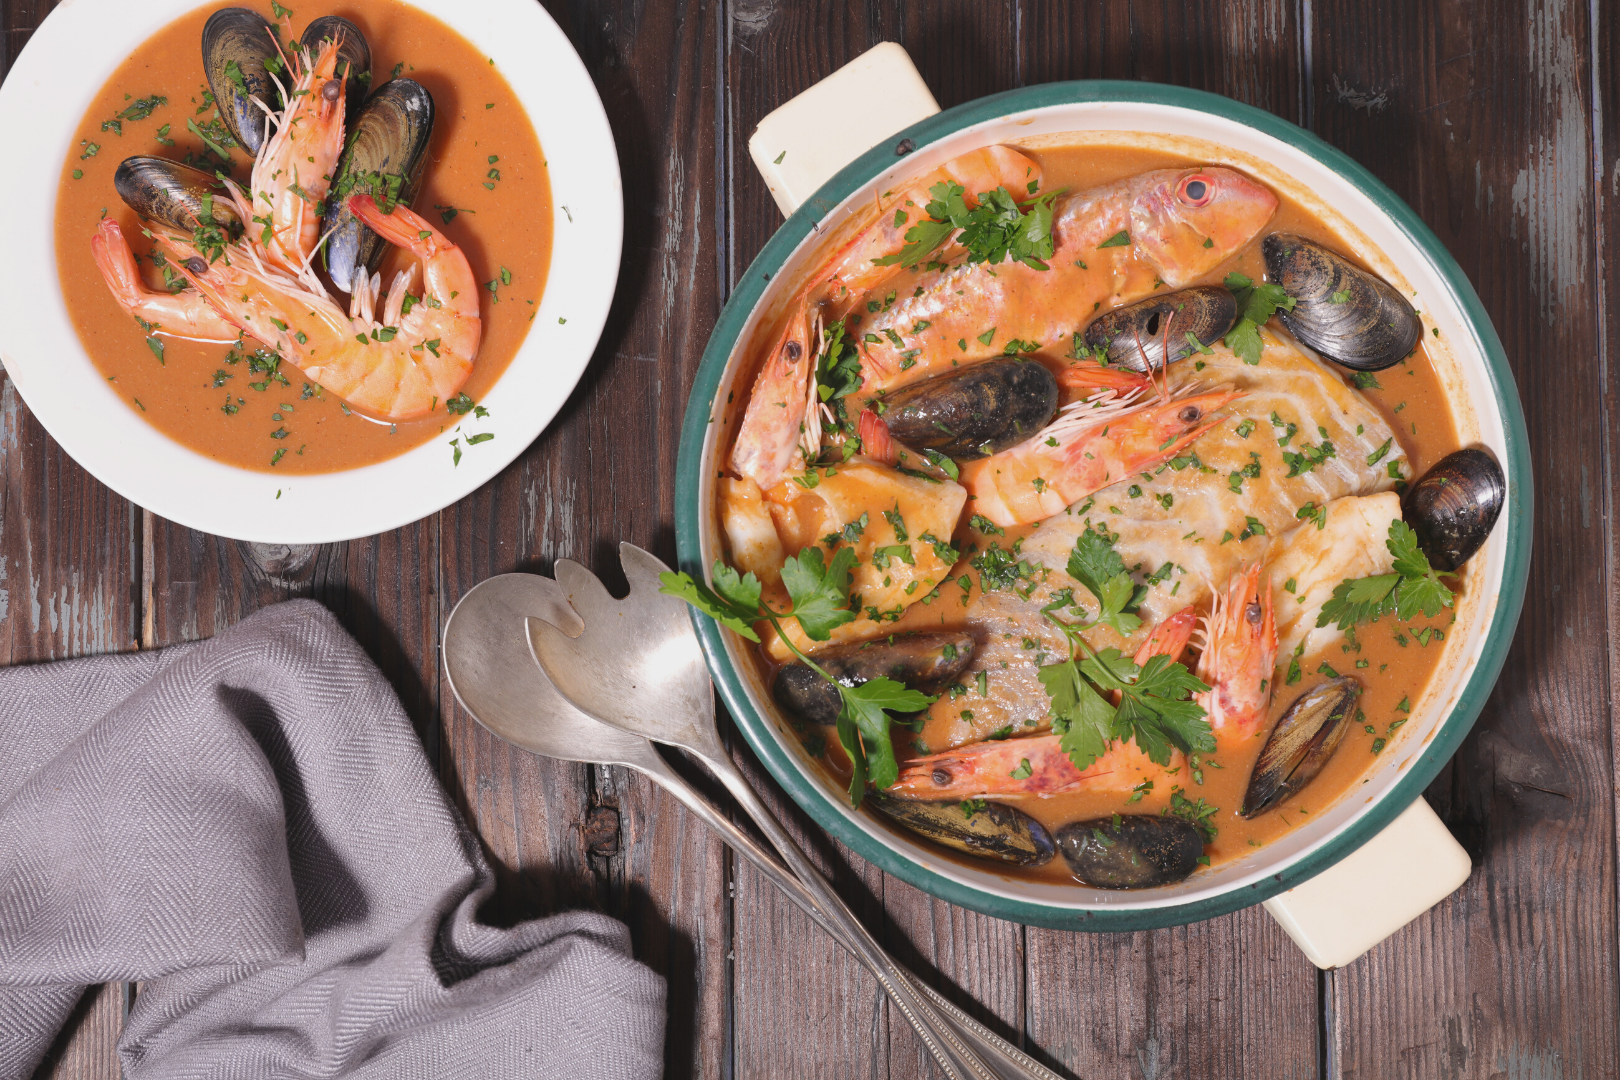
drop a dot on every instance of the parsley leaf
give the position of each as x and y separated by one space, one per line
1095 564
820 591
1154 706
866 707
721 610
1256 304
1082 718
992 232
1414 586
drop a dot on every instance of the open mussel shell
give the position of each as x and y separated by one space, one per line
1301 743
1131 851
925 662
174 194
248 38
985 829
1340 310
976 411
1136 336
354 55
1454 506
388 138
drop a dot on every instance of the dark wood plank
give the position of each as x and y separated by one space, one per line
68 547
1232 996
18 19
1480 117
802 1006
87 1046
569 835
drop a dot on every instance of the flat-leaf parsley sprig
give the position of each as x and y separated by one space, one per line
1411 587
820 602
1255 304
995 230
1155 706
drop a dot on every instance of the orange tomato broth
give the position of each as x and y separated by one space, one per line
504 223
1398 666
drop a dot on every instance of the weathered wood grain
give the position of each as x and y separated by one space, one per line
1480 117
566 834
1490 120
1231 997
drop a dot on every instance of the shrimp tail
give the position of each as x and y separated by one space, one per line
876 441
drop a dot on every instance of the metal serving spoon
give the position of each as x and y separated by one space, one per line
637 666
494 675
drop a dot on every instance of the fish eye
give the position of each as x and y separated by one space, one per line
1196 190
1189 415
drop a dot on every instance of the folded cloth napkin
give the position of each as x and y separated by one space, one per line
250 824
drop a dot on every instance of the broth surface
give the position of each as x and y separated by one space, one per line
1394 661
484 161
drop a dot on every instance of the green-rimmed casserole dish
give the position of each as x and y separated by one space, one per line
1385 234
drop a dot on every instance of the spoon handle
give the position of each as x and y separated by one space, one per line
1005 1059
947 1047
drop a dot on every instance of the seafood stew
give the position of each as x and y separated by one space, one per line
202 356
1093 615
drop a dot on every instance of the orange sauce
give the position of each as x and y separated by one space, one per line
508 225
1392 663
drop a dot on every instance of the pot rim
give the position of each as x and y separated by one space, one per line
816 798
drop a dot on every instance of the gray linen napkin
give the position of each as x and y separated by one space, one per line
250 823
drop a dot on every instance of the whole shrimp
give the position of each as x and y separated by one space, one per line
1237 665
773 424
1092 444
294 169
402 365
184 315
1113 245
999 767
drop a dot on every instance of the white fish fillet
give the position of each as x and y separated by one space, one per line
1184 525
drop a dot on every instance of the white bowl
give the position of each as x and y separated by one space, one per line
41 102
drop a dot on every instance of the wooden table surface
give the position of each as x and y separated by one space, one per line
1497 121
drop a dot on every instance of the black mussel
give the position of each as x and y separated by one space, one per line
1135 336
1131 851
1454 506
925 662
975 412
1341 311
236 42
385 156
354 55
1301 743
986 829
175 194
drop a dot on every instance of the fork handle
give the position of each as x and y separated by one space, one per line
1006 1060
942 1041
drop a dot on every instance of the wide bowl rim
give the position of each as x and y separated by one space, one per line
43 353
816 798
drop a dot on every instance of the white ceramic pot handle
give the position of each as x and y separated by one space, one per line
1348 908
803 143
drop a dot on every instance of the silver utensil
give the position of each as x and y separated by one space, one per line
637 666
495 677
